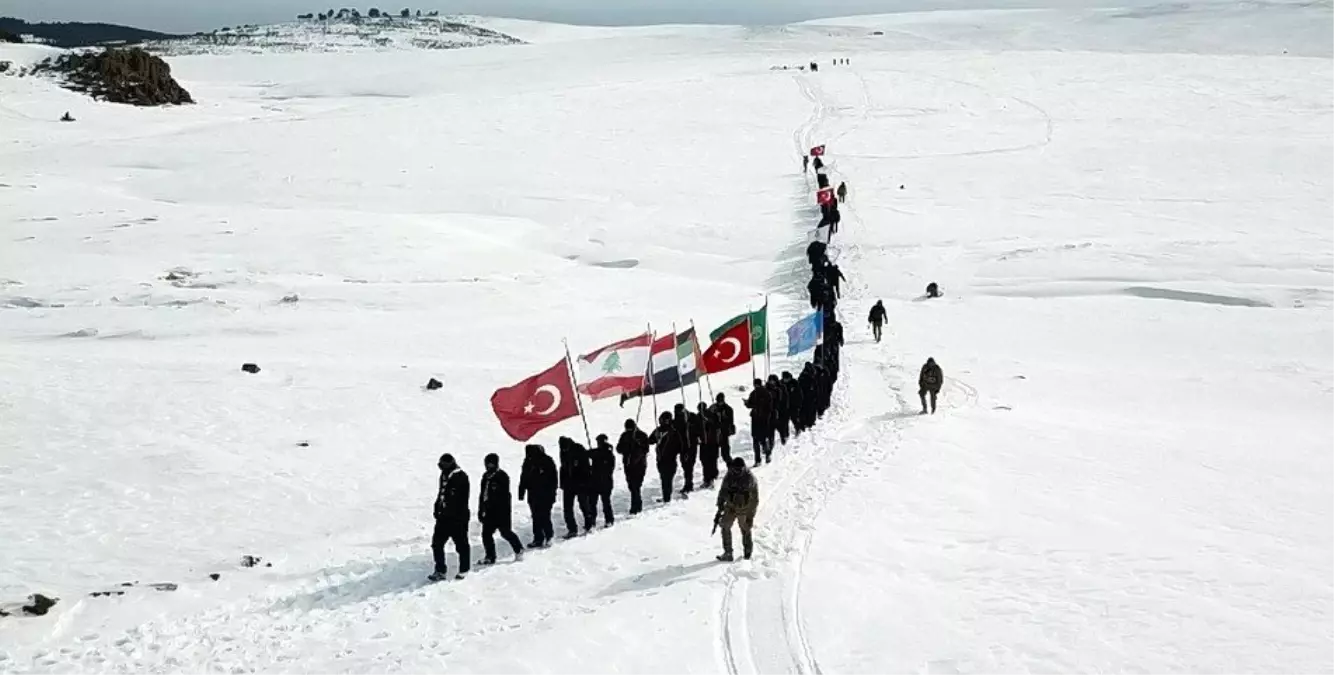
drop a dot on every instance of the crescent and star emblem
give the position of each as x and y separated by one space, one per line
736 350
555 399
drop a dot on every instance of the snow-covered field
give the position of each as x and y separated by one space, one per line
1132 469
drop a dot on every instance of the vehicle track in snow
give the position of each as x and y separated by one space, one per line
760 606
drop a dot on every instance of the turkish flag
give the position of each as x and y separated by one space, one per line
536 403
817 151
825 196
730 350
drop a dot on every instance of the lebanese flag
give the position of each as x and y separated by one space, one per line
824 196
616 369
730 350
536 403
817 151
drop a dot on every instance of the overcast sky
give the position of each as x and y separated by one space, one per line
196 15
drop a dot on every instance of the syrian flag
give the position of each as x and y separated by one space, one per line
536 403
731 349
674 363
825 196
817 151
616 369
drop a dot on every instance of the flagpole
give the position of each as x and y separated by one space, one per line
767 340
648 372
677 355
569 364
700 366
750 336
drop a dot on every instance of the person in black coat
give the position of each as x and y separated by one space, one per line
929 381
689 449
670 442
761 407
633 448
877 318
603 460
782 414
815 253
810 395
575 482
834 277
816 288
451 518
710 439
792 390
694 439
495 510
726 427
539 480
833 344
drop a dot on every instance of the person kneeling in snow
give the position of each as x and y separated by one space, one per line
738 500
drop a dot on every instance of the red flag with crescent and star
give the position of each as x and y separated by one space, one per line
536 403
730 350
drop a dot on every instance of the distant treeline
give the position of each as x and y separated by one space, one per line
76 34
346 14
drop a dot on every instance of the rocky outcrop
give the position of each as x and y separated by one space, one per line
119 75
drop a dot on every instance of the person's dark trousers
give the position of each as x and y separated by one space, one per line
708 457
875 329
608 515
568 503
445 530
666 474
636 485
489 541
759 435
543 529
688 469
725 450
783 429
588 505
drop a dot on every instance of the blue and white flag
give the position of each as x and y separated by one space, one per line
805 333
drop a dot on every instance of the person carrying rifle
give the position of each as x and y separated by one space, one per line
738 500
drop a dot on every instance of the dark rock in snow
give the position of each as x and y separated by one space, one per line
433 384
39 605
250 561
215 576
119 75
250 368
303 444
289 299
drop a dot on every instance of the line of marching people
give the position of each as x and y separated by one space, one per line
780 408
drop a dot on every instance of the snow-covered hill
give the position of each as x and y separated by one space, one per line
1132 468
334 35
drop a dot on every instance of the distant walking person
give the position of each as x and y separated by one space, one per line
603 460
929 382
842 192
738 500
805 161
633 449
495 510
877 318
451 518
539 480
